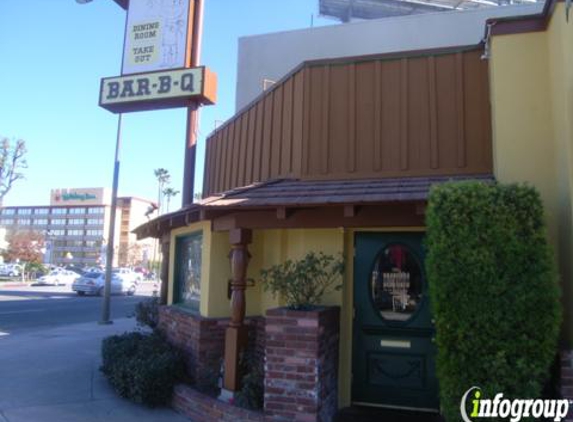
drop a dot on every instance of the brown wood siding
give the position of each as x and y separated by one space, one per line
374 117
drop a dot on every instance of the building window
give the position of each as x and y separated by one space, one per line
94 232
24 211
77 210
41 211
76 221
9 211
95 210
75 232
188 270
95 222
57 232
6 221
41 221
58 221
59 210
24 221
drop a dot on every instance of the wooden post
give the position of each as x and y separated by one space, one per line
192 57
164 274
236 333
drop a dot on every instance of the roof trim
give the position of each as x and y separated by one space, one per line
401 190
523 24
166 222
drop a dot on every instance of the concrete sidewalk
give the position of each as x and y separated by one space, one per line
53 375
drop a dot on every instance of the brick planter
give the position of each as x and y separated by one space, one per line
202 341
201 408
301 368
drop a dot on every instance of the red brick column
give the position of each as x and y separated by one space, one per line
301 368
567 379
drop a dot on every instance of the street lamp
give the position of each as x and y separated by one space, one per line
111 234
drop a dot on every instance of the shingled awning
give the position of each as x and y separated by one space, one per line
295 193
286 195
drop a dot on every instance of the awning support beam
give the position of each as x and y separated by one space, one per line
236 334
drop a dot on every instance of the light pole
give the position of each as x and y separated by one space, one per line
111 234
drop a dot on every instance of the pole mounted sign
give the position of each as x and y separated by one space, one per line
156 35
157 90
156 72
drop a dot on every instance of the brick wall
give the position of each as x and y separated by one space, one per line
202 340
567 379
201 408
301 368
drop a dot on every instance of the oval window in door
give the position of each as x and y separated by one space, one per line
396 283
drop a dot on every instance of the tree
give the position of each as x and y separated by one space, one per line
12 161
25 246
169 193
131 254
163 178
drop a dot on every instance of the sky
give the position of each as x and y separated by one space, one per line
53 54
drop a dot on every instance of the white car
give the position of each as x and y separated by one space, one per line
11 270
93 283
58 278
127 274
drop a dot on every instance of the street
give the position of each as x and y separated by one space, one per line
30 308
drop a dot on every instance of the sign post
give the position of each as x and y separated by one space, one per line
161 50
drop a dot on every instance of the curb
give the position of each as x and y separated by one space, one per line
14 284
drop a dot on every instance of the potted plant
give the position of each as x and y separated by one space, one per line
302 283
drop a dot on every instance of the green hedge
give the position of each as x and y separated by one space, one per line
142 367
494 291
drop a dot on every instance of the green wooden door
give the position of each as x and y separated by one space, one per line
393 350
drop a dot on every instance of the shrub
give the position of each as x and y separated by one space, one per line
494 291
147 312
142 367
302 283
252 393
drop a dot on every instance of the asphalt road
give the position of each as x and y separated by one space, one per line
29 308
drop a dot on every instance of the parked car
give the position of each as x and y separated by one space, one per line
57 278
127 274
93 283
11 270
78 271
93 270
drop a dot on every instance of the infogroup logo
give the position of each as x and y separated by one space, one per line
514 410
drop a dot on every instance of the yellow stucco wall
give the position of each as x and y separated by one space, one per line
271 247
531 77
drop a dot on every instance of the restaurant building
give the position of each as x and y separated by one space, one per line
75 226
338 156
